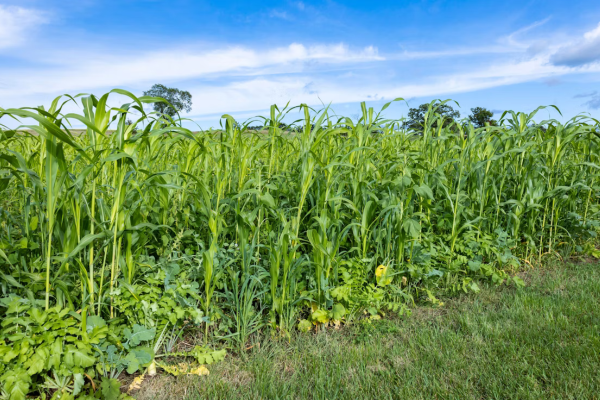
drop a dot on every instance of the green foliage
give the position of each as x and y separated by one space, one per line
53 349
168 295
304 326
481 117
138 335
115 243
34 342
436 113
177 100
207 356
110 389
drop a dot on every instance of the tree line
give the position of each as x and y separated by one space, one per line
180 100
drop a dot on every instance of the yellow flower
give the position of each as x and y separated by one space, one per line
381 270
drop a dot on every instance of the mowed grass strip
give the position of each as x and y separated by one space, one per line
542 341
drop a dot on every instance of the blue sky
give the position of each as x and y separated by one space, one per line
239 57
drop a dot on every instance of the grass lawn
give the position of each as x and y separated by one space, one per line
539 342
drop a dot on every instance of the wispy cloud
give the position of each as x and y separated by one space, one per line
511 43
261 92
104 70
581 52
238 79
15 22
513 38
594 99
593 103
584 95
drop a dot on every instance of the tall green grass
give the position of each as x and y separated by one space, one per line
283 225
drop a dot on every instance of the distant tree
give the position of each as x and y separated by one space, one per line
416 116
179 99
481 116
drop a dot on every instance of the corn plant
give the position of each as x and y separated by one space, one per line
316 221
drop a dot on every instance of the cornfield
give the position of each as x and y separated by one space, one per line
224 233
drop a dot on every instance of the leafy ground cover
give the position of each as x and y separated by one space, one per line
537 342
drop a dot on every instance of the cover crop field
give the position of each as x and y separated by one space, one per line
115 246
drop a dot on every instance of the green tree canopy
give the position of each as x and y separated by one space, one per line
416 116
181 100
481 116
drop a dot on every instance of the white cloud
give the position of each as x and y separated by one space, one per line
260 92
512 39
246 81
15 22
239 80
593 34
580 52
511 43
110 71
